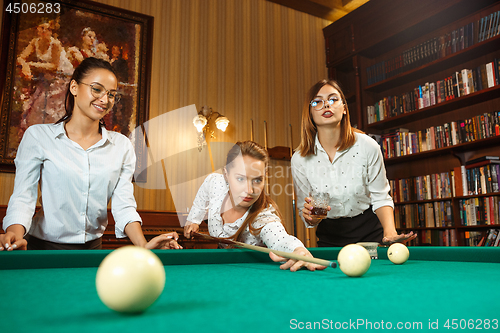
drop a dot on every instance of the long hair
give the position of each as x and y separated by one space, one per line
256 151
84 69
309 129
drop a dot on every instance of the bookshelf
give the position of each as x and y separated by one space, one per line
372 53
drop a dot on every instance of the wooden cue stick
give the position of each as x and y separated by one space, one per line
251 129
293 189
288 255
265 147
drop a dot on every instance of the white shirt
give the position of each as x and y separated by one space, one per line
76 185
355 179
209 200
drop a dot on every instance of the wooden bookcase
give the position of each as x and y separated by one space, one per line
383 29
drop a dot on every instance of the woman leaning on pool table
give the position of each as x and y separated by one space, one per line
335 158
80 167
238 207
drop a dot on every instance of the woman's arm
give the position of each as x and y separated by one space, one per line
22 202
302 188
386 217
164 241
382 203
200 204
13 238
274 235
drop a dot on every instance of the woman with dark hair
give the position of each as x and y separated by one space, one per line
239 209
336 158
80 167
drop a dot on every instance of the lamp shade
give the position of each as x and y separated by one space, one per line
199 122
221 123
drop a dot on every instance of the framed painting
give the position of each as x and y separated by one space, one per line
42 43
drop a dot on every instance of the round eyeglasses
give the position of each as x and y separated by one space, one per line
98 91
318 103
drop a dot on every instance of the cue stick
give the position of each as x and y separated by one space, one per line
265 147
265 134
288 255
251 129
293 189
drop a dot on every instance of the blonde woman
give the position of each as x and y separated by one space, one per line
238 207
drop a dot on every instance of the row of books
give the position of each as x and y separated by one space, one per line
459 83
446 237
435 48
428 187
482 238
425 215
479 211
489 26
491 238
478 178
472 238
402 142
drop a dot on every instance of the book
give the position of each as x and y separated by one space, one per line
490 74
458 186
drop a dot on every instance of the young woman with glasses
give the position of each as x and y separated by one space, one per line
80 167
335 158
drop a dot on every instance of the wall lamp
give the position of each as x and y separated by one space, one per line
201 122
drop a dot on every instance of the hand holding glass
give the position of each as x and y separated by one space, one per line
319 201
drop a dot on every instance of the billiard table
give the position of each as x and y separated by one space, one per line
237 290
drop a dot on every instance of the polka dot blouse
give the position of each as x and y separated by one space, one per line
208 203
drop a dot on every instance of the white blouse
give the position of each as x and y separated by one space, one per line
208 203
76 185
355 180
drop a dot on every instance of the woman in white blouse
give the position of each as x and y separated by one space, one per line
336 158
238 207
80 167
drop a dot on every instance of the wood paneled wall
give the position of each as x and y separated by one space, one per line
246 59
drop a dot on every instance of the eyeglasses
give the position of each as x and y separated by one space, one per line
319 103
98 91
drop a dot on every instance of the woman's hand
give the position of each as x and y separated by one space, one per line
12 241
306 213
295 265
164 241
189 228
403 238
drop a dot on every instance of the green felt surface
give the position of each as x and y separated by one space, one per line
241 291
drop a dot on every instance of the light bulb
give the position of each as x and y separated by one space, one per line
221 123
199 122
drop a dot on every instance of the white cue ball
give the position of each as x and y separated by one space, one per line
130 279
354 260
398 253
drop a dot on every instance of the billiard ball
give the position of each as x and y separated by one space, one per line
398 253
130 279
354 260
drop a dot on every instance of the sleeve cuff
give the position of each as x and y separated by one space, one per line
120 226
382 204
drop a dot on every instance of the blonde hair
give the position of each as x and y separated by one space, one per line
256 151
308 127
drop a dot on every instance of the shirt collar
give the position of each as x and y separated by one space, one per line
317 145
59 130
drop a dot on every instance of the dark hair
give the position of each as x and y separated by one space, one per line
84 69
254 150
